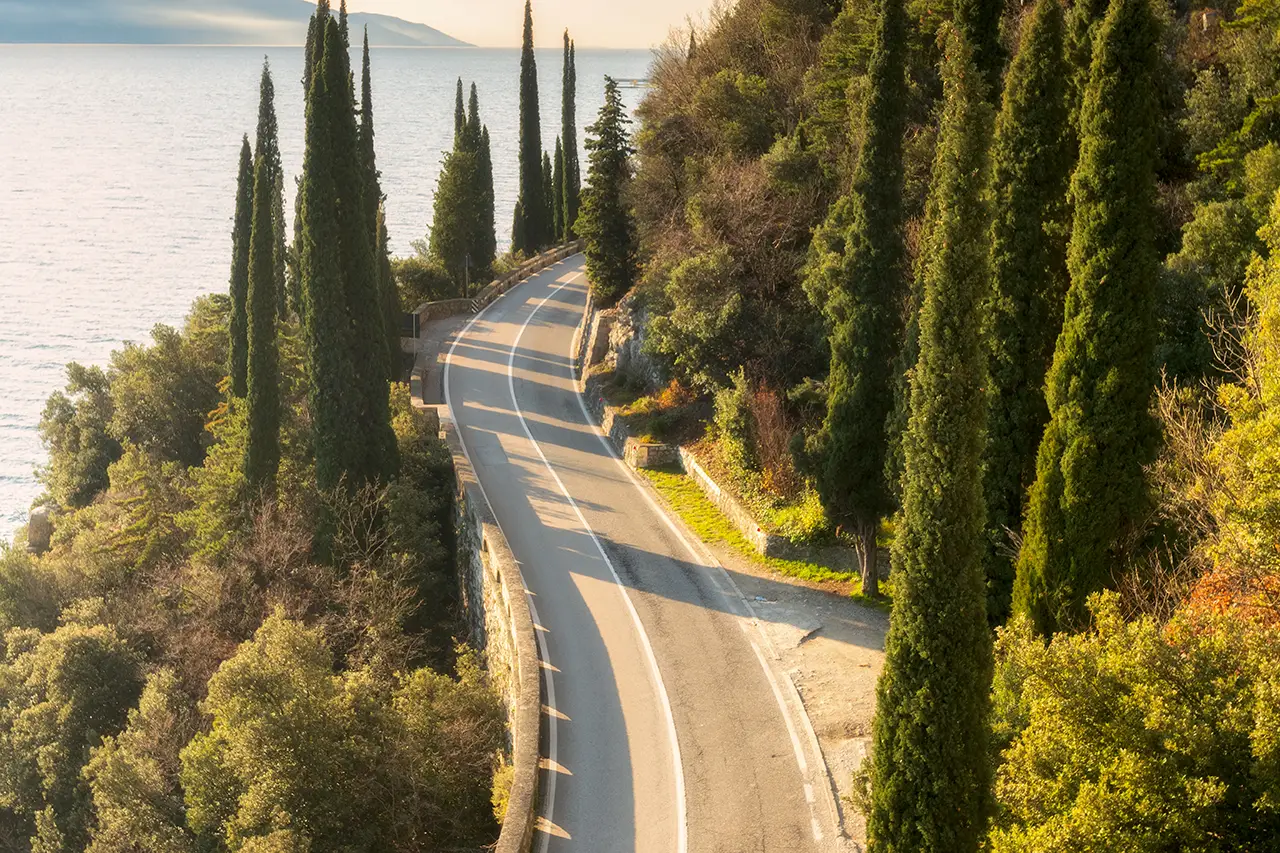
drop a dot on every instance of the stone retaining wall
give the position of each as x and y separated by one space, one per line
497 608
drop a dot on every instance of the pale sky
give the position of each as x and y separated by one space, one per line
591 23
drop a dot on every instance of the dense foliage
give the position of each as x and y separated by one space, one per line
238 639
930 786
605 222
462 235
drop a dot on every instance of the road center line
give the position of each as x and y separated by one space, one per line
682 829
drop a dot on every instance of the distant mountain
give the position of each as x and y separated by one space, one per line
250 22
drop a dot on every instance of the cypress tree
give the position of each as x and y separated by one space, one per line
548 196
557 191
1083 22
344 321
268 146
352 167
931 775
605 223
368 155
457 213
375 216
487 241
855 277
530 232
262 450
979 22
345 25
1089 488
570 200
238 352
1031 166
390 295
459 117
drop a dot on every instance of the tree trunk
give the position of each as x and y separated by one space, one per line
868 558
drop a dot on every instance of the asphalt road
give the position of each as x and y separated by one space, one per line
667 727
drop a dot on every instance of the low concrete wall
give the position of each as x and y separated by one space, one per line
429 311
498 614
530 267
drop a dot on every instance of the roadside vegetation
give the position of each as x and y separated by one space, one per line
991 286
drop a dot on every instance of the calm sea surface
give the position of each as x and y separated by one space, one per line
117 183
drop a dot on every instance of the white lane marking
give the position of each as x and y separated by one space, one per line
553 738
682 829
710 562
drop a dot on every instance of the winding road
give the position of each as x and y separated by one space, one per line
668 726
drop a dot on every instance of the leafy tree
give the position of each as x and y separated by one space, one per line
133 776
570 200
930 781
605 222
531 232
854 276
1138 736
1089 487
75 430
60 693
421 278
1031 163
262 451
238 365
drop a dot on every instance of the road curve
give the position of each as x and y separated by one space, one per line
667 727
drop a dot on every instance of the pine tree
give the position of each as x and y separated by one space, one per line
1031 165
238 358
262 450
530 232
605 223
344 320
855 277
930 783
1089 489
557 191
979 22
548 196
570 199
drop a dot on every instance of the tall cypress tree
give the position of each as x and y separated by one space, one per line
241 234
344 25
530 232
268 147
979 22
344 321
931 777
548 197
487 241
557 191
855 277
459 116
1083 21
262 450
1031 165
1089 490
390 295
570 198
606 225
375 214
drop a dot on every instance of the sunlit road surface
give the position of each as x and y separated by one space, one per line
666 726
